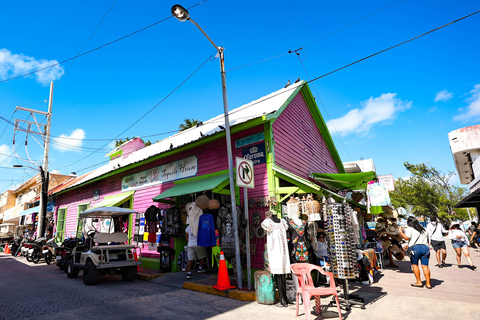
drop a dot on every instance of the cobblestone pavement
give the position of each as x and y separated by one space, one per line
30 291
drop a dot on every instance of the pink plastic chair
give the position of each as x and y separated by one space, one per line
308 290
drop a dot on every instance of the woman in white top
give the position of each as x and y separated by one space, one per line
460 243
417 238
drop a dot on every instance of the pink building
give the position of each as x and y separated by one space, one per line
283 133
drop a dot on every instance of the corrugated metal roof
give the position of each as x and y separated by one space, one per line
255 109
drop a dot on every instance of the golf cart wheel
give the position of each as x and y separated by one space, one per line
35 257
48 257
129 273
90 273
72 272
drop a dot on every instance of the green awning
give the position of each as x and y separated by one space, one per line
350 181
114 201
190 187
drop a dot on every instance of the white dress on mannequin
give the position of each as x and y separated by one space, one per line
277 247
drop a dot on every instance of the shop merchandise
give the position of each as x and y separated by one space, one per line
225 226
206 231
193 214
377 196
340 236
277 247
297 235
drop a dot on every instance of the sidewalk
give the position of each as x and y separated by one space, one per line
455 294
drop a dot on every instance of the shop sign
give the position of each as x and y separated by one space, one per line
180 169
245 176
256 153
388 181
249 140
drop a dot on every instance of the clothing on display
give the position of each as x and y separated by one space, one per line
225 226
377 196
298 244
193 214
206 231
277 248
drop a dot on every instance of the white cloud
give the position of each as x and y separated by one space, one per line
432 109
12 65
373 111
443 95
71 142
472 111
5 158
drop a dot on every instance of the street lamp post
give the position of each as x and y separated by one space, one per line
182 14
43 198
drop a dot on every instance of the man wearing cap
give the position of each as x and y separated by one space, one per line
435 234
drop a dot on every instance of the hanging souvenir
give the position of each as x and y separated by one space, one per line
293 207
313 208
202 202
213 204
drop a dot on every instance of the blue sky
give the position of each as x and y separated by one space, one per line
395 107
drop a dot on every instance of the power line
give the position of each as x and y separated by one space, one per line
83 47
324 37
97 48
153 108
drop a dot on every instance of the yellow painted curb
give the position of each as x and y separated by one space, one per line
232 293
147 277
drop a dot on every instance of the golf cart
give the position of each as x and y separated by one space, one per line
101 250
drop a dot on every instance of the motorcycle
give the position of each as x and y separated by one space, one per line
63 252
35 250
14 245
48 250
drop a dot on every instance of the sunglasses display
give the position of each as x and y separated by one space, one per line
340 237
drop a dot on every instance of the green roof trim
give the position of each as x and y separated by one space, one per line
350 181
202 183
115 200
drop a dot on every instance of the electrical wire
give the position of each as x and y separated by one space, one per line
97 48
143 116
83 47
322 38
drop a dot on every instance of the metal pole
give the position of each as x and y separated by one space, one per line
247 239
43 206
230 169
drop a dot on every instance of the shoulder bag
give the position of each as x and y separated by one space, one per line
409 252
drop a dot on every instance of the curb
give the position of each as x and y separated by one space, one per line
144 276
235 294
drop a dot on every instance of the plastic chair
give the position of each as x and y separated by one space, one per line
308 290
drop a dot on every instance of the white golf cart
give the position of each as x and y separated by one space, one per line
101 250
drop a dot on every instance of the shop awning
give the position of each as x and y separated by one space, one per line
470 201
341 181
182 187
29 211
115 200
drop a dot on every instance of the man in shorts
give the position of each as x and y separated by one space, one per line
474 233
194 252
435 232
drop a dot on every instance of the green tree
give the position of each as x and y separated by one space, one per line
187 124
428 193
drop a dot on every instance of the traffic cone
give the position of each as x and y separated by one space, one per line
7 249
223 282
136 259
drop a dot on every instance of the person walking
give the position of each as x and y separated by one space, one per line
435 234
417 238
194 252
460 243
474 235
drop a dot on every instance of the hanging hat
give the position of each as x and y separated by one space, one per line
386 243
397 252
390 213
392 230
380 226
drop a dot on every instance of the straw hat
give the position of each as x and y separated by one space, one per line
392 230
386 243
397 252
380 226
390 213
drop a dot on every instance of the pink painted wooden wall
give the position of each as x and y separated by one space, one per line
211 158
299 145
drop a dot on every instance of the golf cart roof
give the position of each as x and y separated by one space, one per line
106 212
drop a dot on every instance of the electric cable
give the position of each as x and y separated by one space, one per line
97 48
143 116
324 37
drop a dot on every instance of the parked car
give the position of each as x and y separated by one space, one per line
101 250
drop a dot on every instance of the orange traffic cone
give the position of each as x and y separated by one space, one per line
223 282
136 259
7 249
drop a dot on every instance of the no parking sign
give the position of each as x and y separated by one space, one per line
245 177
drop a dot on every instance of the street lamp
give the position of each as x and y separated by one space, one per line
182 14
43 197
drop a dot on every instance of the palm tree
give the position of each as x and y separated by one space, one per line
187 124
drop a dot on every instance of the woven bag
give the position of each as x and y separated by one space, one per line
202 202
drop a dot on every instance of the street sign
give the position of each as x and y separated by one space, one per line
245 176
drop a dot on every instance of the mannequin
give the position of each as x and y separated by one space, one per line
297 234
278 253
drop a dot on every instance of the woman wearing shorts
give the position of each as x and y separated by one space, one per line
417 238
460 243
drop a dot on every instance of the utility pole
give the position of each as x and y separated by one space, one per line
45 176
43 130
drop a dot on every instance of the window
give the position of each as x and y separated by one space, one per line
81 208
19 199
61 224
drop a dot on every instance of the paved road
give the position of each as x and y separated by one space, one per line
31 291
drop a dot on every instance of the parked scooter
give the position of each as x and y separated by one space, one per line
35 250
14 245
48 250
63 252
